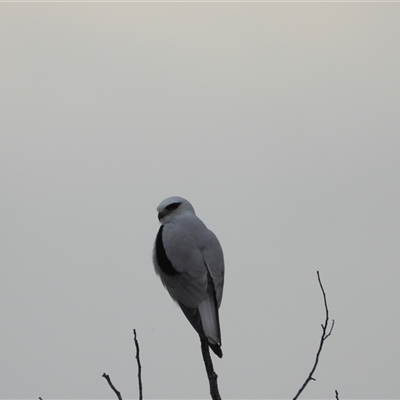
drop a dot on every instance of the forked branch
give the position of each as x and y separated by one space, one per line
326 332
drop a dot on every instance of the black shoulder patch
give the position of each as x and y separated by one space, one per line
162 259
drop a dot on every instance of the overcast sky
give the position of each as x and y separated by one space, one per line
279 122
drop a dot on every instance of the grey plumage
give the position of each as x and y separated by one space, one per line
189 260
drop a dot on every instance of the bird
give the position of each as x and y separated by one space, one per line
189 260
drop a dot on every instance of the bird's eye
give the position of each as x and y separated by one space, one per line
172 206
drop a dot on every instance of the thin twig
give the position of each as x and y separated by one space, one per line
212 376
324 336
139 365
107 377
336 395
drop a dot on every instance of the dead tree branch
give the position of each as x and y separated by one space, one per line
107 377
212 376
139 365
325 334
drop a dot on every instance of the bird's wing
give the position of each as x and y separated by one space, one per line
187 283
214 260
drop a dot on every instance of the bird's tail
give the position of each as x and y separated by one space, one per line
194 317
208 310
205 320
209 319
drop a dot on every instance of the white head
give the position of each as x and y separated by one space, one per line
172 207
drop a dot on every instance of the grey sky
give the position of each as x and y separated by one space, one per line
278 122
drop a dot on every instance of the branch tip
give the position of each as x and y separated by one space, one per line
108 379
139 365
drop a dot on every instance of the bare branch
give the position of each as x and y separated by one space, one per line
336 395
212 376
325 334
139 366
107 377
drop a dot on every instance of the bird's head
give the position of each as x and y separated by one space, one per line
173 207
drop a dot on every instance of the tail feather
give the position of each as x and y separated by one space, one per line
208 310
205 320
209 319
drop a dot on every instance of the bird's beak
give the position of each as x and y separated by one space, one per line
161 215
